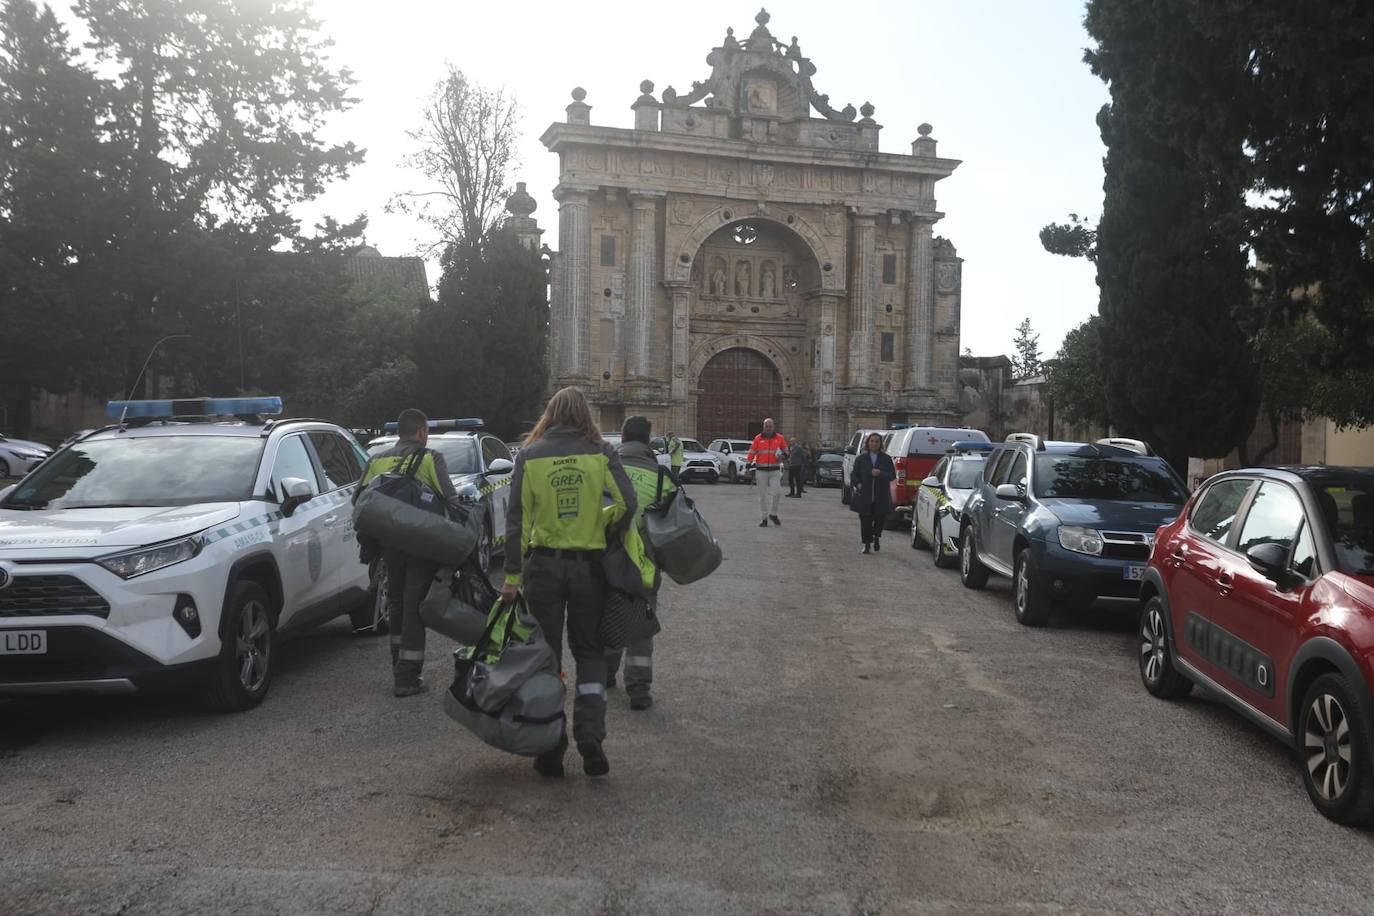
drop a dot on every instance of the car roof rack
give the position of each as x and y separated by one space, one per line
1028 438
1139 446
465 423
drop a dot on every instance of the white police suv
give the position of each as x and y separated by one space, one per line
176 547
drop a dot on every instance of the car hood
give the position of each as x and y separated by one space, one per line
958 498
96 531
700 455
1112 515
26 445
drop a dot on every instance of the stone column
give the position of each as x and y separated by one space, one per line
574 241
828 304
920 305
681 292
643 282
863 302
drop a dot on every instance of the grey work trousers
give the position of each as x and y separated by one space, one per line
574 590
639 666
407 582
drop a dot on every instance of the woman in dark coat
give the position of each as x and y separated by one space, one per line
873 473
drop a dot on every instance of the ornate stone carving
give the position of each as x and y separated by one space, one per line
743 279
947 275
834 222
682 211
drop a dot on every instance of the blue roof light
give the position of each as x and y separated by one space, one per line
192 407
971 445
464 423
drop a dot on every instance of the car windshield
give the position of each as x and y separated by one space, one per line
460 455
143 471
741 446
964 473
830 458
692 445
1082 477
1349 511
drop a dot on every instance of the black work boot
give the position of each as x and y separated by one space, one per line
641 701
594 762
550 763
877 545
777 521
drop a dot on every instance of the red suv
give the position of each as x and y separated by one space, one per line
1262 591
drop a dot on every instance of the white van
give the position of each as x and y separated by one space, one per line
914 450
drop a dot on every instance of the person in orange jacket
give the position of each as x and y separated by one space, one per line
767 455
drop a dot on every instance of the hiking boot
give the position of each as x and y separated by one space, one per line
410 690
550 763
777 521
594 762
865 551
641 702
763 524
877 545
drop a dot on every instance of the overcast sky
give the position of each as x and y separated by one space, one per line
1002 81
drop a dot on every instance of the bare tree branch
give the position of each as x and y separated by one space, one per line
466 151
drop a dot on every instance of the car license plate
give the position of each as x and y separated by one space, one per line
1133 573
23 642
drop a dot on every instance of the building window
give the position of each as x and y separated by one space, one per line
608 251
889 268
887 347
746 234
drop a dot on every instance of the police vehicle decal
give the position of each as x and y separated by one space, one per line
337 496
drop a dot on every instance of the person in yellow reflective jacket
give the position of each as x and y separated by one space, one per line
644 471
555 539
673 446
408 578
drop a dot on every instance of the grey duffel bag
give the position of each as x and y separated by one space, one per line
457 603
506 689
414 531
682 543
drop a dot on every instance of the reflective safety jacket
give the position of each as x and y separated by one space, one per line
768 451
433 472
644 471
556 496
673 445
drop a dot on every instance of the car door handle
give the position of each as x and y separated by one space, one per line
1224 583
330 519
1179 559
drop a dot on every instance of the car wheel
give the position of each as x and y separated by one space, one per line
1157 671
243 670
937 546
1033 606
1336 752
972 573
370 619
917 540
846 495
732 474
712 478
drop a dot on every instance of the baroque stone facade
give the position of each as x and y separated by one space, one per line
732 257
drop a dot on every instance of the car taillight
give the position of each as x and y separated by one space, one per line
901 471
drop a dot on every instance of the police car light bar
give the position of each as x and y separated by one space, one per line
192 407
464 423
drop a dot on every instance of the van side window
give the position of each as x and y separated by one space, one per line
997 469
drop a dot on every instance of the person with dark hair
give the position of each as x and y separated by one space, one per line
873 472
796 471
555 542
643 468
408 578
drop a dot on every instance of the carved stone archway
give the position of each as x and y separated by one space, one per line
687 247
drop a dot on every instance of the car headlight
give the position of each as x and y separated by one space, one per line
1081 540
29 455
469 493
133 563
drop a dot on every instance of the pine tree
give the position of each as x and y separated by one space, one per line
1026 363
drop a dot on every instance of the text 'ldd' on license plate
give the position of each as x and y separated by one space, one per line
1133 573
23 642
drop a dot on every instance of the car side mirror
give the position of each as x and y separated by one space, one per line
1010 491
1269 560
500 466
295 491
931 481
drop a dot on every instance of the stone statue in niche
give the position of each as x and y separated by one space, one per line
790 278
767 283
718 279
743 279
760 96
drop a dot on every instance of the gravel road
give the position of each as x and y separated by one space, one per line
833 734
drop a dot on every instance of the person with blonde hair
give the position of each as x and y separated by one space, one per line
555 538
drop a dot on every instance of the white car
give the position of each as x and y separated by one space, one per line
940 503
696 461
480 466
19 456
175 549
733 455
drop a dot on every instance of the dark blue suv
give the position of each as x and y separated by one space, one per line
1068 522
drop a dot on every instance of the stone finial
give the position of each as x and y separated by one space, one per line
794 50
579 112
762 17
646 107
520 203
924 145
647 87
669 95
730 40
760 39
867 109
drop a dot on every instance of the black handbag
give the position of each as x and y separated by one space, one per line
626 619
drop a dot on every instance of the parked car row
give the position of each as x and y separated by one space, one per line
1259 586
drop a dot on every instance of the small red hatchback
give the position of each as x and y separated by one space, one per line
1262 591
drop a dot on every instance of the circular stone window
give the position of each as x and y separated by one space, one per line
827 267
685 258
746 234
889 308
